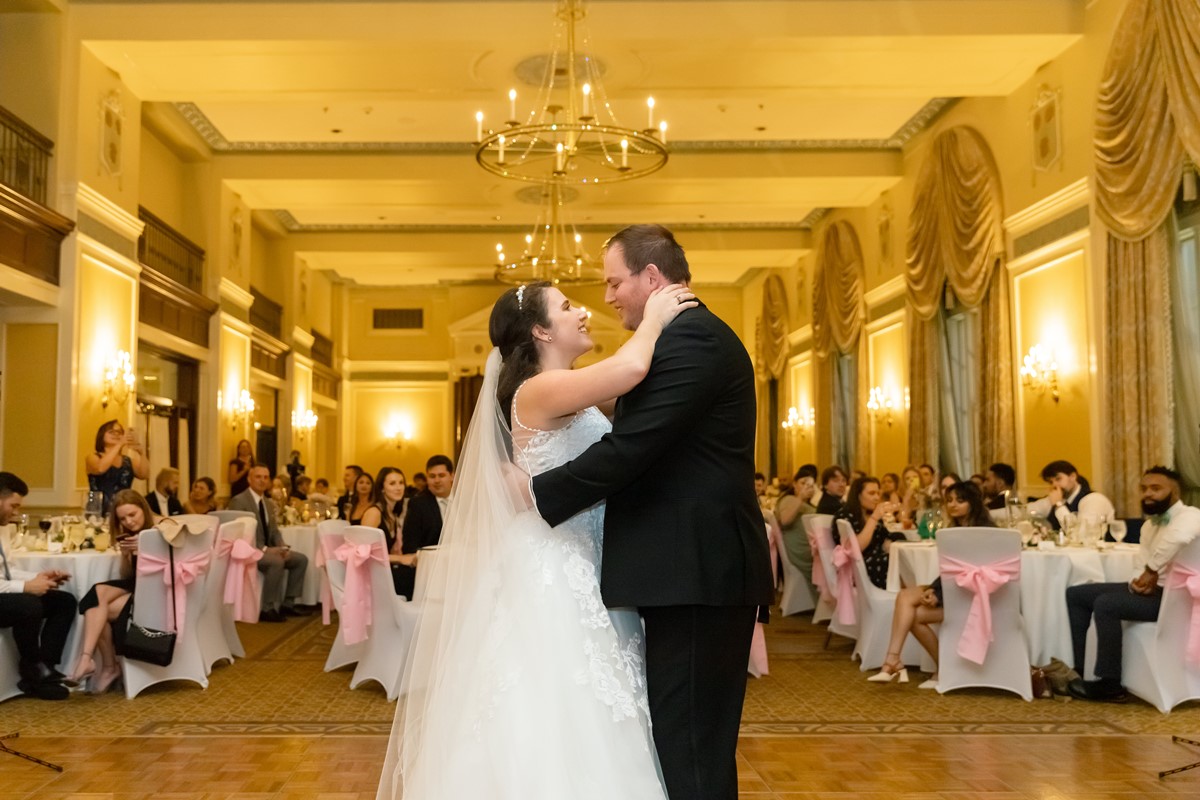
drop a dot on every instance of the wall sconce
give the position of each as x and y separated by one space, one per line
1039 371
799 423
398 432
304 422
118 379
881 404
242 410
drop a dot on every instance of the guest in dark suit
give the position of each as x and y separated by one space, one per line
164 500
1000 479
32 606
683 535
423 521
833 488
277 558
346 501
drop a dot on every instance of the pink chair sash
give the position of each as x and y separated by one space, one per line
330 543
357 614
1181 577
843 560
818 571
241 579
775 546
186 572
982 580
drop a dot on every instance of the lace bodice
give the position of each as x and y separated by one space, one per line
537 451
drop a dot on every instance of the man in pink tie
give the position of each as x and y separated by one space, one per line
1171 525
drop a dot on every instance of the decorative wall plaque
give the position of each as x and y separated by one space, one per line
112 120
1046 123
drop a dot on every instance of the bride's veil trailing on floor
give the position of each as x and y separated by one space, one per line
460 580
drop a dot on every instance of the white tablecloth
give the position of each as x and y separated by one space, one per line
86 570
1045 576
303 539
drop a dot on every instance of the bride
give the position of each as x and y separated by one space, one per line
520 684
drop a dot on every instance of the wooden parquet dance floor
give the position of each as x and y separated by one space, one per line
274 726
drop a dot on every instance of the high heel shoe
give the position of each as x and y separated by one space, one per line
80 674
883 676
104 681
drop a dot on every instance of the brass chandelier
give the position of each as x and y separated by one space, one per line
571 137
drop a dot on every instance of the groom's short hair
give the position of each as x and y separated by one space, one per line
642 245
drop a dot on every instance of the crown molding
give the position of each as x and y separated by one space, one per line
228 290
801 335
93 203
1051 207
888 290
302 337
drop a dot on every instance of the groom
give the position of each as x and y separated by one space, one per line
684 540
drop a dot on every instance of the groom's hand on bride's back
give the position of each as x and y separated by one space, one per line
518 487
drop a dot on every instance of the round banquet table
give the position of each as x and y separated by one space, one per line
303 539
86 569
1045 576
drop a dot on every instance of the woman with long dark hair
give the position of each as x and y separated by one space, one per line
239 468
117 460
362 499
919 607
388 515
865 510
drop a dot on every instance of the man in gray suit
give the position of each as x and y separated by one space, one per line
277 556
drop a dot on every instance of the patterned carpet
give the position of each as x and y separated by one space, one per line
280 689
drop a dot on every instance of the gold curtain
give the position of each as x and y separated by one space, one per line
839 305
1147 114
955 238
773 328
1138 363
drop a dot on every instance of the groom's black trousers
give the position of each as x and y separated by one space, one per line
696 659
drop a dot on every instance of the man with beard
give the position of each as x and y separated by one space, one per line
1170 526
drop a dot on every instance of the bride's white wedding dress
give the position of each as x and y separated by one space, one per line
549 703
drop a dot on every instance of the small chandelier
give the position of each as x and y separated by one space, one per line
553 250
118 379
572 134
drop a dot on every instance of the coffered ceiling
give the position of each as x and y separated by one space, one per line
353 121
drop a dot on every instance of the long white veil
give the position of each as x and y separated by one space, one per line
461 581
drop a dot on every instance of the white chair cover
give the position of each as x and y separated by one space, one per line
824 603
219 640
1154 659
822 527
229 516
9 674
394 620
796 598
1007 663
152 609
875 608
330 534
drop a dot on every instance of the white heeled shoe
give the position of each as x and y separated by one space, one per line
931 683
882 676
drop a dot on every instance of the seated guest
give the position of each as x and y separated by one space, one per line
164 500
760 486
1000 479
948 480
300 489
362 499
423 523
387 514
349 478
277 556
978 480
118 459
789 511
833 486
1069 494
106 608
865 510
889 484
320 492
919 607
1170 527
202 498
31 604
419 485
928 477
239 468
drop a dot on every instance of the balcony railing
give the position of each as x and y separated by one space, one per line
266 314
24 157
169 253
322 350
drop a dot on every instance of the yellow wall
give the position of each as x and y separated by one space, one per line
1048 307
96 82
301 386
106 325
30 383
887 350
799 444
425 407
167 188
25 40
234 375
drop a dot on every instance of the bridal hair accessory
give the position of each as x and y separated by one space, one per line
521 298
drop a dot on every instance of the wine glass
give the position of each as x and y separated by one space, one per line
1117 530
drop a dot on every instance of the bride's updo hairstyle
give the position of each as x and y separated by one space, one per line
511 330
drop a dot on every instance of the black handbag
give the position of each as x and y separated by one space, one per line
147 644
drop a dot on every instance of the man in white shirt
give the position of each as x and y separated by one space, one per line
1171 526
1069 493
40 616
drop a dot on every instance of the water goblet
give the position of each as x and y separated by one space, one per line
1117 530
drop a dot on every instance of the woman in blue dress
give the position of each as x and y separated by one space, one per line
118 459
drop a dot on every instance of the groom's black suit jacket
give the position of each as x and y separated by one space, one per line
682 525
